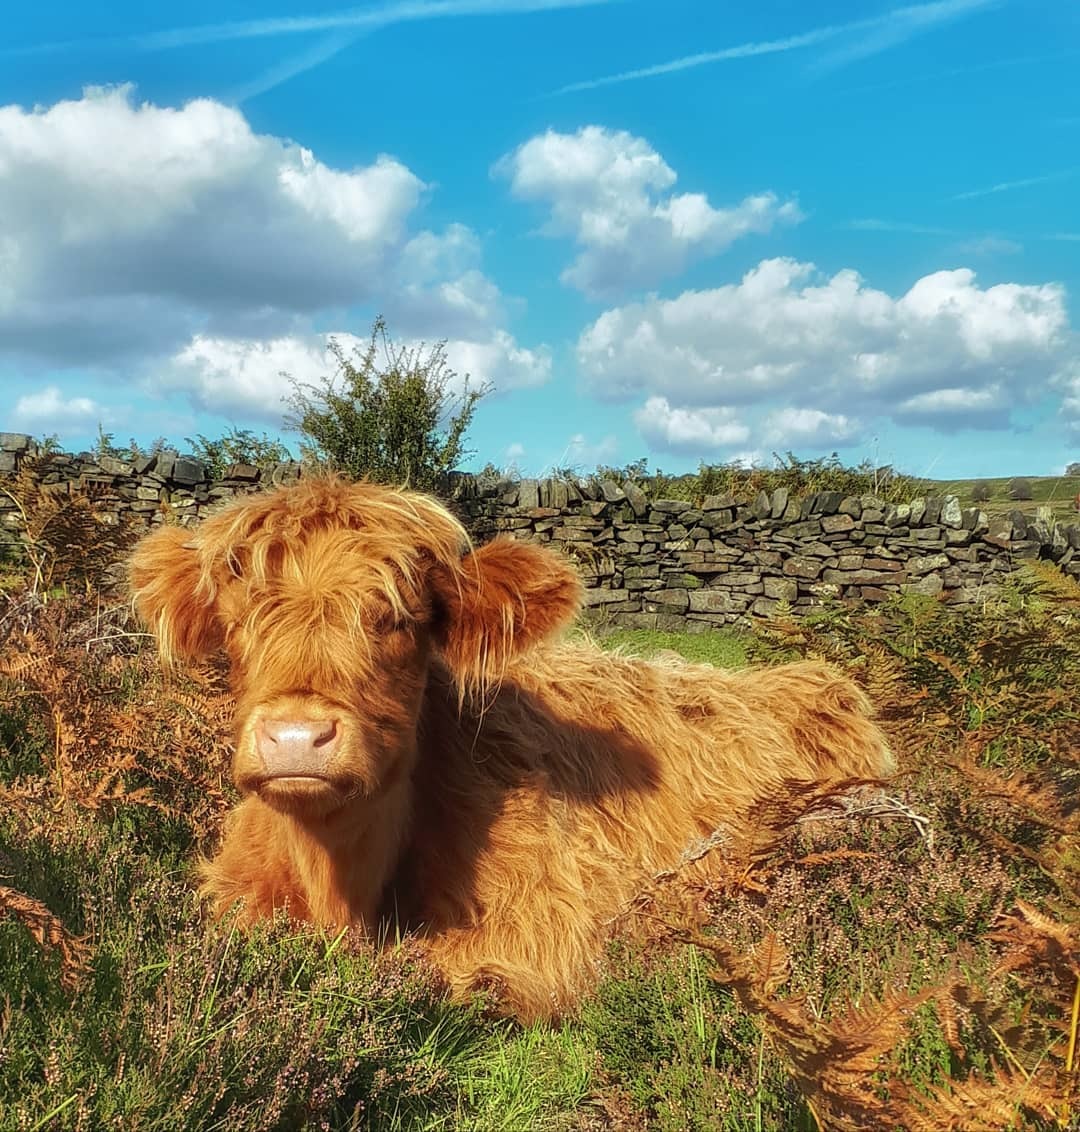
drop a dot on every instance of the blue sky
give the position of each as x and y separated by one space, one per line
683 230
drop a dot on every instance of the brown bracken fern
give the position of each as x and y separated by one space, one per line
50 933
981 709
68 536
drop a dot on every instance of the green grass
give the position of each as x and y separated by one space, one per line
181 1024
684 1055
723 648
1056 492
534 1077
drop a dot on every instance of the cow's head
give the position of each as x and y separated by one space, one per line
330 600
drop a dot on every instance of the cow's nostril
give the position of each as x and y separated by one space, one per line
327 735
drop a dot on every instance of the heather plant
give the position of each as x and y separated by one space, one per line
681 1052
858 957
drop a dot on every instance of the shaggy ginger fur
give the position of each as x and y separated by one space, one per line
412 734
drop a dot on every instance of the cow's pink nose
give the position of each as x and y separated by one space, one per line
296 746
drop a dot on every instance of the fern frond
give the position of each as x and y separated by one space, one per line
49 932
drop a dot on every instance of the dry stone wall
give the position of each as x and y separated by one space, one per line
146 491
665 564
647 563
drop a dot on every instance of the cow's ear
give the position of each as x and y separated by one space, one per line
172 595
498 603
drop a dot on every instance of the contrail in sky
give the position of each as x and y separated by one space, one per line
887 30
354 19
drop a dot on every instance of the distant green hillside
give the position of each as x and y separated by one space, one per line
1057 492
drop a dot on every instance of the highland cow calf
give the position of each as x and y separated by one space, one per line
412 736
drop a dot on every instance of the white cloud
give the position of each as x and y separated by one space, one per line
836 346
285 69
439 287
961 402
368 205
1068 382
250 377
583 454
796 427
108 166
49 409
609 191
701 431
429 256
133 226
245 376
896 28
177 241
500 362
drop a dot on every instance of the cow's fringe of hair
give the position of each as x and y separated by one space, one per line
408 526
178 575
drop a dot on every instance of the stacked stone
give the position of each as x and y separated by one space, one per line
667 564
147 490
651 563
